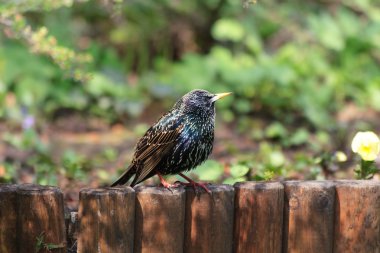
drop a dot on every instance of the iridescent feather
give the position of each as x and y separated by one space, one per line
179 141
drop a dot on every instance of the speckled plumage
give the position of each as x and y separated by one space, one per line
179 141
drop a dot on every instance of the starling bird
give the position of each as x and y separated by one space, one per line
179 141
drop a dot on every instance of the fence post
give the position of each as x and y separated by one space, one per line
357 222
309 217
258 217
106 220
40 219
8 218
160 217
209 220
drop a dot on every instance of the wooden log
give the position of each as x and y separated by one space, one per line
40 221
160 215
209 220
8 218
258 217
357 221
106 220
309 217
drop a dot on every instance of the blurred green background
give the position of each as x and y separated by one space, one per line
80 82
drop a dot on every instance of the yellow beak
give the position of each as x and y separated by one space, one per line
220 95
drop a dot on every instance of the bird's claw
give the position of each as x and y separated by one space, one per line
195 186
168 186
171 186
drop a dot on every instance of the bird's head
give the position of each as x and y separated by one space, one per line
199 102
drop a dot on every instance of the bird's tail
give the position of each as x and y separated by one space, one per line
123 179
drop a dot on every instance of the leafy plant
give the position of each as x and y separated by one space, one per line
292 73
209 171
238 173
42 245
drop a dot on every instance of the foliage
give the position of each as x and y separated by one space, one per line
41 245
366 170
238 173
39 42
273 63
310 72
211 170
292 72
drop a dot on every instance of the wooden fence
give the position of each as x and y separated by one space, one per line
292 216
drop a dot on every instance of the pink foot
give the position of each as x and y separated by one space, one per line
195 185
165 184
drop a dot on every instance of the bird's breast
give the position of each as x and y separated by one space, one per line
194 146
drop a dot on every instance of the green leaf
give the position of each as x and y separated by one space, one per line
374 95
349 23
243 106
276 130
209 171
327 31
277 159
228 29
300 137
31 91
238 170
253 43
232 180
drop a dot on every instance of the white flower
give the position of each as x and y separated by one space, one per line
367 145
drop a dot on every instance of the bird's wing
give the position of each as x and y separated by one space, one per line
156 143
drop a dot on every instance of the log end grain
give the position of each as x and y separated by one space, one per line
8 218
106 219
357 212
309 216
160 215
209 219
40 212
258 217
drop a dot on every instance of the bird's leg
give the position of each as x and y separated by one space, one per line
194 184
164 183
